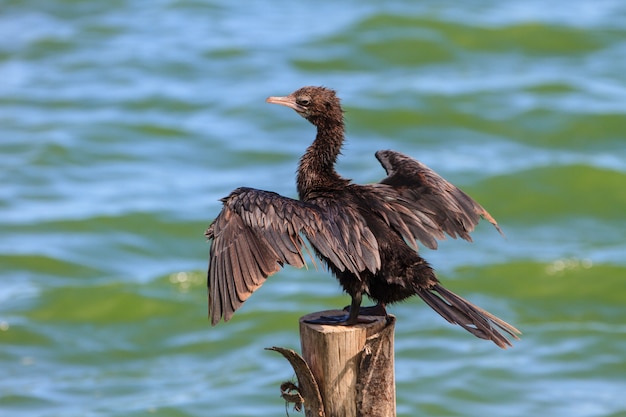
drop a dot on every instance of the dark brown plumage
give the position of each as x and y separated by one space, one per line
366 234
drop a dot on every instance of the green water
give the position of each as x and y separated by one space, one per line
122 123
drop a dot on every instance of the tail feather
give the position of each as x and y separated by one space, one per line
472 318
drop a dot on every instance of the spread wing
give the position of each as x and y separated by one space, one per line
257 232
423 204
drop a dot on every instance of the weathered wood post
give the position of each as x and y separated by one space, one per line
353 365
352 368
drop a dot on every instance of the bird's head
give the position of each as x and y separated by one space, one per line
318 105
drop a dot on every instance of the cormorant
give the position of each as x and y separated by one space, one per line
366 234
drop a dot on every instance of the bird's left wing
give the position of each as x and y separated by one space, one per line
257 232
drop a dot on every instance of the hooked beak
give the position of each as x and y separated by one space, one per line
288 101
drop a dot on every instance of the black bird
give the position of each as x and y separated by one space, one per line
366 234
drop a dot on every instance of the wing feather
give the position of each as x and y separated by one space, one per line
257 232
425 206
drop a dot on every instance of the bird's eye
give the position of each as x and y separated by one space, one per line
303 101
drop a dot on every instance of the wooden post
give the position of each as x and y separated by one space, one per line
353 365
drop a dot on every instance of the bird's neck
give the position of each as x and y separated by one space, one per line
316 172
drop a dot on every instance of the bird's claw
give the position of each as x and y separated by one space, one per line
341 320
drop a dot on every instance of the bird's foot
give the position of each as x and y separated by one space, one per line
375 310
340 320
351 318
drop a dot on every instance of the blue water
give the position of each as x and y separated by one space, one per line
122 124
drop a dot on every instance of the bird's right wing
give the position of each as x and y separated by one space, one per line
257 232
427 204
